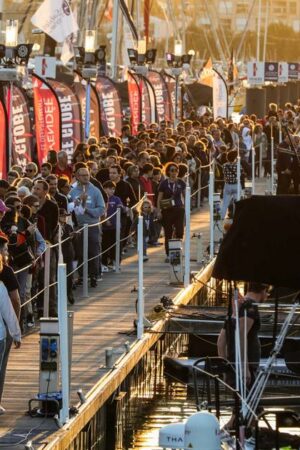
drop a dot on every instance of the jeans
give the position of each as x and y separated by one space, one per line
8 343
173 223
2 350
229 193
93 251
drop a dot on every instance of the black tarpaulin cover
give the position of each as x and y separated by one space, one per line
263 243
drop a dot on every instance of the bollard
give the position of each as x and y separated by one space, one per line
211 210
199 189
260 159
272 165
109 358
47 281
238 177
253 170
64 341
187 246
85 268
140 305
118 240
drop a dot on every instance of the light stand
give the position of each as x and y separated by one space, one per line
177 63
140 62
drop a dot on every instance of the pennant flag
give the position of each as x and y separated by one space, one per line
70 117
56 19
22 135
206 75
135 102
80 88
3 141
147 8
110 106
47 118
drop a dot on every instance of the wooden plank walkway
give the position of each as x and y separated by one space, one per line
104 319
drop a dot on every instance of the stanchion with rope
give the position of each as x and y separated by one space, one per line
187 243
211 210
140 304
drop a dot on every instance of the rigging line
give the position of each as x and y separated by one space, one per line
173 19
27 11
105 6
245 30
215 34
221 28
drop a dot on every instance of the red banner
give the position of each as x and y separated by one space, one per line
3 140
22 135
70 117
47 118
80 90
171 85
148 100
162 95
110 106
134 95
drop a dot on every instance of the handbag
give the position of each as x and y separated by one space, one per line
166 203
22 256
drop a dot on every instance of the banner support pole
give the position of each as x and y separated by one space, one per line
114 43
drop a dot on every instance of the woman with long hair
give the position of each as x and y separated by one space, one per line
170 204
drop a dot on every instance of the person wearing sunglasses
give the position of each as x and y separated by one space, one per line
31 170
170 204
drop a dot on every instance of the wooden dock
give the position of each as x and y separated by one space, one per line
104 319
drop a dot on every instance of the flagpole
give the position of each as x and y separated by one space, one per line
114 44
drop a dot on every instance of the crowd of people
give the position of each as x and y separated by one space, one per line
144 174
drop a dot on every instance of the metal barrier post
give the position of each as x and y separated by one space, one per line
272 165
85 269
253 170
260 159
140 305
211 210
199 189
64 341
187 246
47 281
238 177
118 240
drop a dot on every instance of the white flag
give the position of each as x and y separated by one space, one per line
56 19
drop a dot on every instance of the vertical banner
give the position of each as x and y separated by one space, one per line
110 106
148 107
283 72
171 85
47 118
3 141
21 133
135 102
80 87
293 71
220 97
255 73
161 95
152 100
70 117
271 71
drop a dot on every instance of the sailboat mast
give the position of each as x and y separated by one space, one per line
258 31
